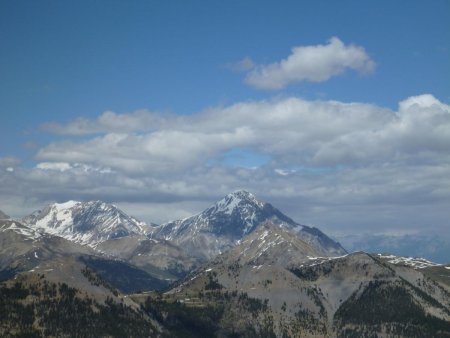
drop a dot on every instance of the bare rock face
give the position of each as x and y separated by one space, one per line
225 223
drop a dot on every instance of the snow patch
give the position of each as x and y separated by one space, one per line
415 262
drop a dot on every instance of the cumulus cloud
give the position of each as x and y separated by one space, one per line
291 132
311 63
330 163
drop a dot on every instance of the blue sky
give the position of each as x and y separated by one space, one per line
172 77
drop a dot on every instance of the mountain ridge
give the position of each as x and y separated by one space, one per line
220 227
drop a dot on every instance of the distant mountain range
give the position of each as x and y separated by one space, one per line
432 247
241 268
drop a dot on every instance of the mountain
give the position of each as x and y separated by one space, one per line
87 223
23 249
222 225
52 287
277 279
430 246
273 284
112 233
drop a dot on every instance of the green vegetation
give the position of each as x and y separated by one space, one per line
96 280
213 314
212 283
390 306
123 276
306 321
183 321
312 273
7 274
47 309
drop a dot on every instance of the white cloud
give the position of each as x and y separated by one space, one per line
291 131
311 63
331 163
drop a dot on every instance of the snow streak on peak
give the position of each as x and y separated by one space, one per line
65 205
20 229
231 202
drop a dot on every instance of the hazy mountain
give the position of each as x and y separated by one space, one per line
432 247
3 215
221 226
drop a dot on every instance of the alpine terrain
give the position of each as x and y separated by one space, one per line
241 268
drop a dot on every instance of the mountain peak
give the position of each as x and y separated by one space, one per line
227 221
86 222
243 194
234 200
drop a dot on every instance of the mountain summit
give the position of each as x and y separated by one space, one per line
226 222
87 223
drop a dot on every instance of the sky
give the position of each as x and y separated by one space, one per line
336 112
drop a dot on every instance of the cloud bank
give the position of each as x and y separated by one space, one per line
335 164
310 63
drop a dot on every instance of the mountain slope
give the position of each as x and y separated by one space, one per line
23 250
112 233
272 282
221 226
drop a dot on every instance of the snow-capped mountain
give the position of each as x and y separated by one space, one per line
27 232
87 223
112 233
221 226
